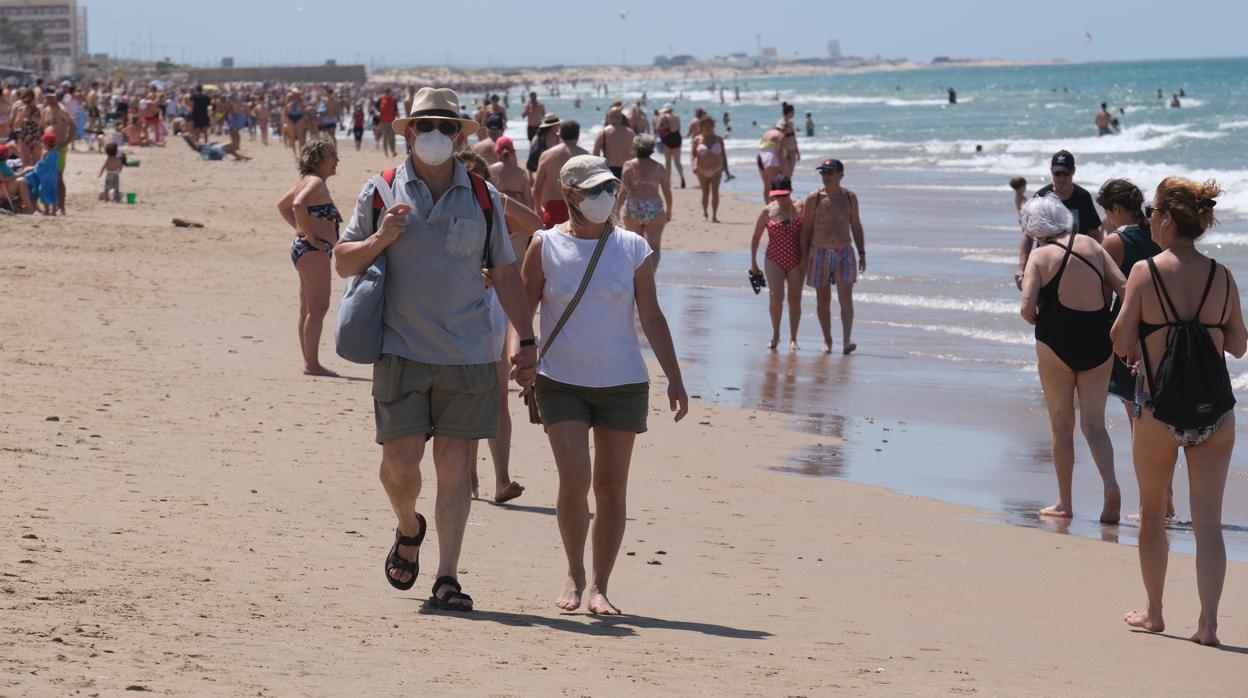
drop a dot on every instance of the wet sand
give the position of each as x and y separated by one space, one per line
201 519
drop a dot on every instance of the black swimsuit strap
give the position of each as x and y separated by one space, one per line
1061 270
1213 268
1222 323
1163 296
1091 266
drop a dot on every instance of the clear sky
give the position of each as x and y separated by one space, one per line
501 33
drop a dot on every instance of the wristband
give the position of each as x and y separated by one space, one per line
530 342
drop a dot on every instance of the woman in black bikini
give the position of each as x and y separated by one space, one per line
310 210
1064 296
1181 285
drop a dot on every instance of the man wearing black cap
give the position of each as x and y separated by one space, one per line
1075 197
830 221
494 125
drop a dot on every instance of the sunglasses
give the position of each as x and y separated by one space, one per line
610 187
1057 173
446 128
1149 211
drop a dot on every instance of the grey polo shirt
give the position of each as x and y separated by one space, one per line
435 310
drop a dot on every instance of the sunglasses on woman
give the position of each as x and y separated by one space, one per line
1149 211
446 128
610 187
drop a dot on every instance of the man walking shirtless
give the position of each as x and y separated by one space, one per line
615 141
547 192
830 218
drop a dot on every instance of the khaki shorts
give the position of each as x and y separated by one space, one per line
411 398
619 407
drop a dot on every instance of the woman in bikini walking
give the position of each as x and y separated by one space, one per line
1181 292
784 268
646 199
709 164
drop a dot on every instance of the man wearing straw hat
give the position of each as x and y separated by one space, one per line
436 377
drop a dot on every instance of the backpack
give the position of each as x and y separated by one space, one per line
483 200
1191 387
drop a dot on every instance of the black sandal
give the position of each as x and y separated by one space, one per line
394 562
453 600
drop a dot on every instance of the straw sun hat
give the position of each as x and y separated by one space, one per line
435 103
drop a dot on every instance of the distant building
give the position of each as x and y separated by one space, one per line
674 61
227 62
834 49
47 36
769 52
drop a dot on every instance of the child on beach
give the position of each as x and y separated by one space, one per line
111 171
1019 185
43 178
136 135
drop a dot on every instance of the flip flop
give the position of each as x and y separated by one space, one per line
394 562
453 600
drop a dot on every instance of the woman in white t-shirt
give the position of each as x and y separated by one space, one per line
592 375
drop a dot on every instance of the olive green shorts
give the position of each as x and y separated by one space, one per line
619 407
410 398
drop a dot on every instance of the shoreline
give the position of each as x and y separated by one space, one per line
208 521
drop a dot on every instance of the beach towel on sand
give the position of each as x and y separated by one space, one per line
42 181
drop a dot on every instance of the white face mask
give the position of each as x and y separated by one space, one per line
598 209
433 148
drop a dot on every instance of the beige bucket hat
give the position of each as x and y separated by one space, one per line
436 103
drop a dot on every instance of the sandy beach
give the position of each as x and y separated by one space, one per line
183 513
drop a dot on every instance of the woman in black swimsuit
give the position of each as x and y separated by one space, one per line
1065 289
310 210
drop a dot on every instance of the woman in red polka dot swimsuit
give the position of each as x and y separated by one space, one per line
784 269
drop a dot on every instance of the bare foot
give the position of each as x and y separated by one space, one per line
793 345
1059 510
1206 636
599 605
508 492
827 347
319 370
714 219
476 489
775 341
1145 620
570 599
849 348
1113 505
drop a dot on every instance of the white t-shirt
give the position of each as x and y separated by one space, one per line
598 347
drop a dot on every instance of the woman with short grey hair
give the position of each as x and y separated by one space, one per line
1064 296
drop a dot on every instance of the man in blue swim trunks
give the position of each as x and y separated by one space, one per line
236 119
829 222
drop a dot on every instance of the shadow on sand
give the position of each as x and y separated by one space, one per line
1224 648
549 511
606 626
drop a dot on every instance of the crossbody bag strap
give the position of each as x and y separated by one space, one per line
589 272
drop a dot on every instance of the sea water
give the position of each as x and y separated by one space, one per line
942 399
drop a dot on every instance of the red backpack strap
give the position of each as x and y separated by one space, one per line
487 209
388 177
